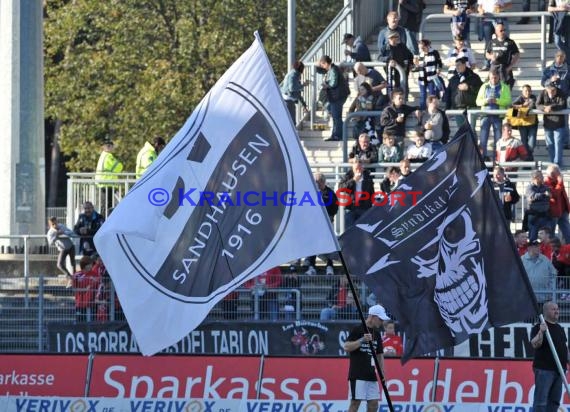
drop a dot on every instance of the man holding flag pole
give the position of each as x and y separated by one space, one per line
550 360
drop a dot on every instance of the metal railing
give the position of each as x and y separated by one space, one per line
542 14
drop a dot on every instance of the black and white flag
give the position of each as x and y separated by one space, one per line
218 207
446 267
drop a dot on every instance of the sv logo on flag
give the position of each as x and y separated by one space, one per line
225 237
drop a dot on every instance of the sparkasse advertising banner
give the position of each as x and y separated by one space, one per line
460 381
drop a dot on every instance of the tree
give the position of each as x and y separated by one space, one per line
133 69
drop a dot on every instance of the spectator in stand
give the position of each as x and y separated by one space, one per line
526 7
557 74
106 172
363 151
358 49
393 20
462 89
545 236
398 59
552 100
559 10
148 154
337 91
493 94
521 241
88 223
329 199
419 151
393 118
85 284
292 88
336 299
405 168
559 205
540 271
391 342
107 304
364 102
428 66
503 53
488 24
411 12
261 292
538 200
389 151
527 133
390 181
510 149
458 51
357 180
349 311
291 281
374 79
560 258
60 236
506 191
435 124
460 11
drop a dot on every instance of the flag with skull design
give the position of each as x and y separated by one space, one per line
446 267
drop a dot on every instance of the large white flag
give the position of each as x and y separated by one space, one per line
215 209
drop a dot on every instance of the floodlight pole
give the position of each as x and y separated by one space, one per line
291 27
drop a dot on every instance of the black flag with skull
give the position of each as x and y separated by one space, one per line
446 267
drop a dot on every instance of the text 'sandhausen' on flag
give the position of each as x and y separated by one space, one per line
171 264
446 267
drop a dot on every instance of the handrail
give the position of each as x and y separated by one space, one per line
541 14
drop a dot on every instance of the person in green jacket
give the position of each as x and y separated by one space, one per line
107 171
148 154
493 94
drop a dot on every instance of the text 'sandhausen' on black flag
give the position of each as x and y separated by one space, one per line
446 267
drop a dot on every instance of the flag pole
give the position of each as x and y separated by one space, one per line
555 356
363 320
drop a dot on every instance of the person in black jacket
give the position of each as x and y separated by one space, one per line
88 223
357 189
506 191
552 100
393 118
398 58
462 90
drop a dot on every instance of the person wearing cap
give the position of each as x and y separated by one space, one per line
358 49
361 345
541 273
458 50
148 154
548 381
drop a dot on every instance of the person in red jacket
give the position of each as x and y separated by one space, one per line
261 291
85 283
510 149
391 342
559 205
521 241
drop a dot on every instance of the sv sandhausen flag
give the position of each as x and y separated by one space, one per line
446 267
171 253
